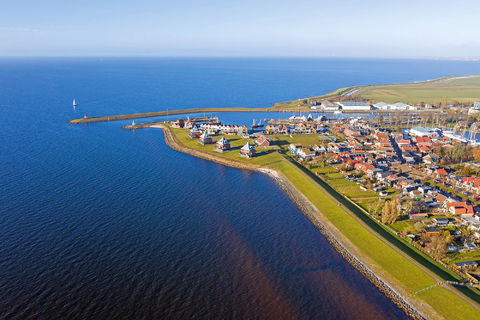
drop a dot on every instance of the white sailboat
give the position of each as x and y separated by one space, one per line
74 104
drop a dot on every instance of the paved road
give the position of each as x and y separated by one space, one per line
435 277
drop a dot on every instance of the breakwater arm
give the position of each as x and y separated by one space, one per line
166 113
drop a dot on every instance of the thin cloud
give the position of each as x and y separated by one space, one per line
22 29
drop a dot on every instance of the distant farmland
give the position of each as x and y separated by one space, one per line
464 89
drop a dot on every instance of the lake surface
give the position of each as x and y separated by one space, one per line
97 222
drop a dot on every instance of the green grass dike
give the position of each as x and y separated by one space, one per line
406 275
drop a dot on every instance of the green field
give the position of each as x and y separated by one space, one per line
461 89
464 89
323 170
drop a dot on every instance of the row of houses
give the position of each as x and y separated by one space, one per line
211 128
301 128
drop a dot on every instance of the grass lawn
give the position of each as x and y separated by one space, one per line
399 226
463 256
351 189
362 194
448 305
334 175
323 170
343 182
283 141
263 155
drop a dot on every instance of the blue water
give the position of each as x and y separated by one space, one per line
103 223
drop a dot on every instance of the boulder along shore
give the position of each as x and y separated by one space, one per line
340 242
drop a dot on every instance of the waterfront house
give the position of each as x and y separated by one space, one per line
247 151
262 141
222 145
194 133
270 129
189 125
178 124
205 138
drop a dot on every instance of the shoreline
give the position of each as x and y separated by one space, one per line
341 244
219 110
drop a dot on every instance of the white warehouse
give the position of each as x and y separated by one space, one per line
354 106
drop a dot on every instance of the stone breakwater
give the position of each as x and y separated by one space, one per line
309 210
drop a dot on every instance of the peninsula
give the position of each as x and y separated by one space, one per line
315 162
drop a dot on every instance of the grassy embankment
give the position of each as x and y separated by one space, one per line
393 266
464 89
165 113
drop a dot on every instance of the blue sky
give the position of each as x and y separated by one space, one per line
342 28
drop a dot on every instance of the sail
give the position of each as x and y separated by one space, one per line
74 102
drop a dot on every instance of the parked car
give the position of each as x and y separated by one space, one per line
383 193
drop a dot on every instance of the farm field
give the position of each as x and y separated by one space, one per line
464 89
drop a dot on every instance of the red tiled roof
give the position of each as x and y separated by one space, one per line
460 207
441 172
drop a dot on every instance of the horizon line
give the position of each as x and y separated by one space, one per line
239 57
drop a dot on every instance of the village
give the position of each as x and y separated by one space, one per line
420 184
